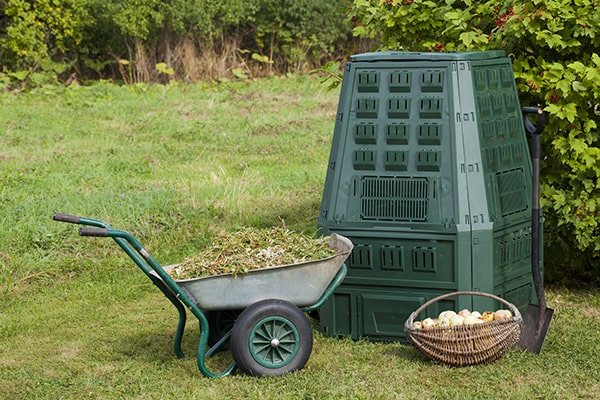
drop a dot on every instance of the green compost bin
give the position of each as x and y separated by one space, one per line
429 175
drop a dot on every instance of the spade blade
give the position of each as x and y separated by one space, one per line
535 327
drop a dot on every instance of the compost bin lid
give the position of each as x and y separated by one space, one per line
428 56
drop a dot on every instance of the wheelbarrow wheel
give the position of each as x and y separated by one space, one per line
271 337
220 322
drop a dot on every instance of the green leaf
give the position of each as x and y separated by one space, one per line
452 15
570 111
589 160
332 67
566 111
261 58
577 67
589 125
559 199
468 37
578 86
162 68
578 145
20 75
239 73
592 74
564 85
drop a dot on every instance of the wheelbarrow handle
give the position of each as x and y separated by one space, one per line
73 219
96 232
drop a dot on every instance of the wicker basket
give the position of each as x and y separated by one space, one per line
466 344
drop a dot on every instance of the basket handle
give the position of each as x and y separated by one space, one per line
514 309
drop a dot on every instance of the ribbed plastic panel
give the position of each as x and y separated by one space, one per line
392 146
394 198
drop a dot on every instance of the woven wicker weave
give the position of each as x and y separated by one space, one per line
466 344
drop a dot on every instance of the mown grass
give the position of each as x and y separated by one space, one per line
176 165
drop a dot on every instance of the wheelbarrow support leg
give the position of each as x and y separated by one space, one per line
164 289
182 315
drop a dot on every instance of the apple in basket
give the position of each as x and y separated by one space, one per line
464 312
502 314
472 320
428 323
457 320
446 314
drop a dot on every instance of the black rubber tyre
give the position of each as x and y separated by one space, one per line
219 323
271 337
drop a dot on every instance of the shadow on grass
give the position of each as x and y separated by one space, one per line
406 352
145 345
150 347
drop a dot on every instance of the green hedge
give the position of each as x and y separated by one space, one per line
150 40
554 46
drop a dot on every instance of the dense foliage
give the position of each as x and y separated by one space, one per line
555 47
150 40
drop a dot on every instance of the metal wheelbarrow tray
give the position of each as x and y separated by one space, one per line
302 284
270 335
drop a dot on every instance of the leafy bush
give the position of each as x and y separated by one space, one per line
39 37
554 47
301 32
192 38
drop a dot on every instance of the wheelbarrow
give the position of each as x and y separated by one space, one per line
270 335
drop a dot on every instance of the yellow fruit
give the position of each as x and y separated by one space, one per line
428 323
488 316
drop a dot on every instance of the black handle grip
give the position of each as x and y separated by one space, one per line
97 232
541 120
73 219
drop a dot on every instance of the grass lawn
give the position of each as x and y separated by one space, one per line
175 166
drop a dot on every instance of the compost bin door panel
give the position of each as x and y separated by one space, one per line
395 160
385 313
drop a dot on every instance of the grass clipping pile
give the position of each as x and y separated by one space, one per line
252 248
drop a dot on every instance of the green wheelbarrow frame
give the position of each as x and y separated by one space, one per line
175 293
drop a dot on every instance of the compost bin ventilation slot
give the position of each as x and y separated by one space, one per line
512 191
394 198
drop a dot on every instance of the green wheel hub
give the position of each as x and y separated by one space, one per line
274 342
